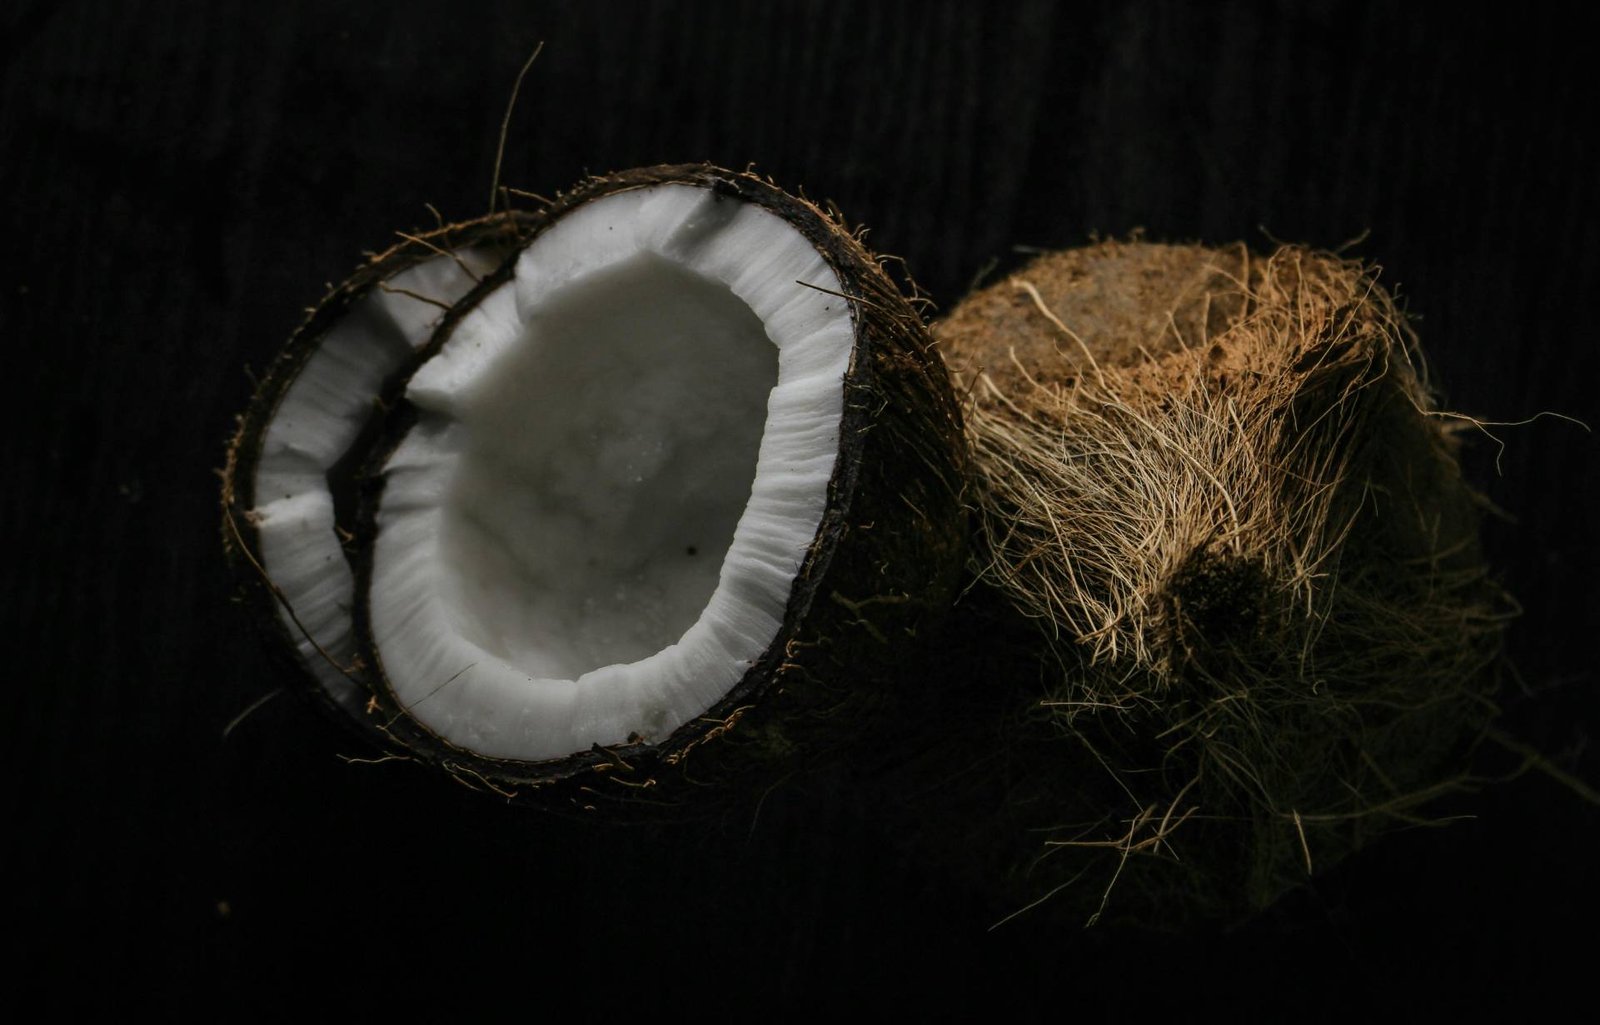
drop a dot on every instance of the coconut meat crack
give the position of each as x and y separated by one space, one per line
620 461
315 423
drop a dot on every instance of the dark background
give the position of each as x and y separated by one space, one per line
180 180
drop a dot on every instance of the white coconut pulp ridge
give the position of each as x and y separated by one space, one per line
314 425
619 460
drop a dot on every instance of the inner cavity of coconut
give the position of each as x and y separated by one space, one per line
603 465
620 461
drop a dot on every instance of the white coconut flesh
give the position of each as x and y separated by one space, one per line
620 461
312 428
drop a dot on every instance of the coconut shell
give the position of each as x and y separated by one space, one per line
883 567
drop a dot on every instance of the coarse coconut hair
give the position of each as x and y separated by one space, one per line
1217 485
562 495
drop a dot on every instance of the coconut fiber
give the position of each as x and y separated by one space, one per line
1215 487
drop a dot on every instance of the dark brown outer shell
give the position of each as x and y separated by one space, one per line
884 565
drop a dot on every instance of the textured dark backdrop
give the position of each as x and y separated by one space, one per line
179 180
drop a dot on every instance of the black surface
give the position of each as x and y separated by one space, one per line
180 181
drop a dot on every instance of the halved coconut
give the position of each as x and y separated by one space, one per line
688 442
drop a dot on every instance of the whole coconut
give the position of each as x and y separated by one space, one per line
1215 488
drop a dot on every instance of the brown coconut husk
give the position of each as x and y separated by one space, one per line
1217 486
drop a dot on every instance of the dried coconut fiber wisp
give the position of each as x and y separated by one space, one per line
1216 484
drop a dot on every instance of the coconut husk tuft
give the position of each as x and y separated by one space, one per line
1218 487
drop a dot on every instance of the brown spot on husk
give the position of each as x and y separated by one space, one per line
1126 301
